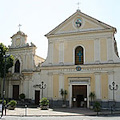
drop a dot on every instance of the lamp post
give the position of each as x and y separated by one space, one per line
42 86
113 87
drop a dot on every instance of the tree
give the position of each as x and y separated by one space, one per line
9 60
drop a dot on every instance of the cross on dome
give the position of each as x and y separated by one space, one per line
78 4
19 26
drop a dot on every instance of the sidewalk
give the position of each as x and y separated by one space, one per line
50 112
57 112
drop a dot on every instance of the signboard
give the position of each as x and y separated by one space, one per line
78 68
0 107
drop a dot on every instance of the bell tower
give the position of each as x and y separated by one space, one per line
19 40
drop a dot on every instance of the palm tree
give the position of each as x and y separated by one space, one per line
63 94
92 97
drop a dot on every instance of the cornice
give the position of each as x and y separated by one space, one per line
84 67
71 33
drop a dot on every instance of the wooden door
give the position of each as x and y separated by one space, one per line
37 97
16 92
79 92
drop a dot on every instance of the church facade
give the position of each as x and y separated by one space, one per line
82 58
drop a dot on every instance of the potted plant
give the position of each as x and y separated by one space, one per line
97 107
12 104
22 96
92 98
44 104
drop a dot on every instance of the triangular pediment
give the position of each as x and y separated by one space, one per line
88 24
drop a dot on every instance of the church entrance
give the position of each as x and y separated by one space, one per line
37 97
79 95
16 92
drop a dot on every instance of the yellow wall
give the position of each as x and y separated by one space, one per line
103 49
87 44
89 25
55 86
66 83
104 86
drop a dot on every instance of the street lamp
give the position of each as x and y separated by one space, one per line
113 87
42 86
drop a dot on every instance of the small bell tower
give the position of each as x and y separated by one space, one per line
19 39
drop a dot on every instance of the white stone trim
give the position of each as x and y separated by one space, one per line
98 85
97 50
109 50
61 52
50 85
110 80
20 60
61 83
50 52
79 81
74 53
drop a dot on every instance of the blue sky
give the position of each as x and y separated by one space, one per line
38 17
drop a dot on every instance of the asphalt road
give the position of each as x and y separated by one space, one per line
61 118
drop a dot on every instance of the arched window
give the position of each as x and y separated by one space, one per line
17 67
79 55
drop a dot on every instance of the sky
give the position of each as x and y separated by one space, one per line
38 17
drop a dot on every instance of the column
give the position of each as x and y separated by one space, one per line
61 83
110 80
50 85
109 50
61 52
98 85
97 50
50 52
70 95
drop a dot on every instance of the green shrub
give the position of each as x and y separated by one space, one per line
22 96
4 102
97 106
44 102
12 103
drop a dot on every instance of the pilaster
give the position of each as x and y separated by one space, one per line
50 85
50 52
97 50
109 50
61 83
98 85
110 80
61 52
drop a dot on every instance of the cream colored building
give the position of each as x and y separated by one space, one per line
19 80
82 58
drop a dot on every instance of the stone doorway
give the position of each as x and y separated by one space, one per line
37 97
16 92
79 95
